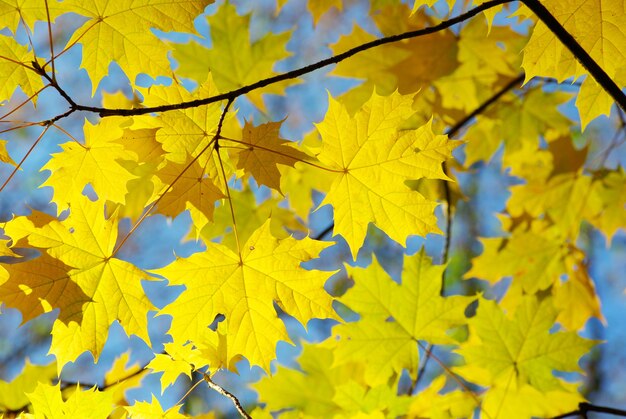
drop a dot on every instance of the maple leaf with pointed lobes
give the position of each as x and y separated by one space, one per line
15 60
597 25
153 409
121 32
41 285
184 132
192 189
96 162
516 355
372 159
394 316
233 60
13 393
14 12
244 288
265 150
85 241
47 402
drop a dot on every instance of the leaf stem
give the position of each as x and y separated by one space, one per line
269 150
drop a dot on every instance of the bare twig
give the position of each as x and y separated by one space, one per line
225 393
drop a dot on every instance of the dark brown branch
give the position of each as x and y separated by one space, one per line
453 130
584 408
233 94
597 72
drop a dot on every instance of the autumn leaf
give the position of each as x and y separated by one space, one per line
596 26
243 288
95 162
13 393
234 61
15 60
372 158
85 241
47 402
517 351
263 151
153 409
395 316
40 285
119 32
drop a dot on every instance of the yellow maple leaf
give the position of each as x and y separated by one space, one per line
96 162
264 150
250 215
15 60
243 288
47 402
372 158
13 393
121 32
153 410
4 154
121 377
184 132
515 352
431 403
14 12
177 360
535 270
318 8
597 25
85 241
234 61
394 316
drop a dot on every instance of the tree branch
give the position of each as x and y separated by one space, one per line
335 59
597 72
584 408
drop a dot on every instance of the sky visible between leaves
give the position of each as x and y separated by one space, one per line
304 105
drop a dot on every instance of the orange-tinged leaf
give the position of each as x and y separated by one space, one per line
320 7
192 189
394 316
264 151
576 299
243 288
41 285
85 241
372 158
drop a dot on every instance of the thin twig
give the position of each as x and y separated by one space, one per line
211 144
225 393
